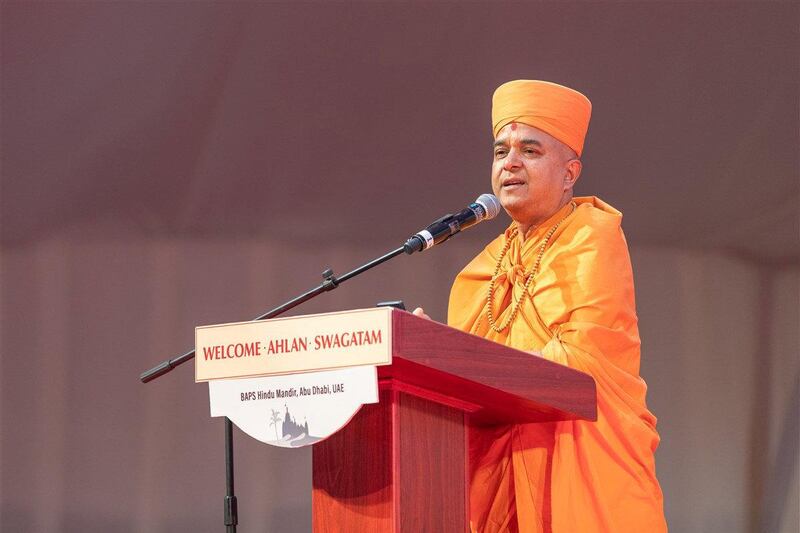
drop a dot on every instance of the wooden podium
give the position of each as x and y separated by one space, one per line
402 465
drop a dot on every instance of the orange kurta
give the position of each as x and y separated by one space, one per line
576 476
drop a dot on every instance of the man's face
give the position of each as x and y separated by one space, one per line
531 173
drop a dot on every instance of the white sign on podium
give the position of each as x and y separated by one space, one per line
294 410
270 378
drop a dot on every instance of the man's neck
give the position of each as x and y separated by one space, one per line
524 228
522 231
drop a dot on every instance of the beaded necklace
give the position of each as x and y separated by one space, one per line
528 282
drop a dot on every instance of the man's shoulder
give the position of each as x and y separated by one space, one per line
596 226
595 215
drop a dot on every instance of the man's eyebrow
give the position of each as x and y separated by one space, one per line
530 141
503 142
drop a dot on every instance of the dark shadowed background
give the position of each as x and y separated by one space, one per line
172 164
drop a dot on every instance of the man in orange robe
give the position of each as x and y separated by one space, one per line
558 283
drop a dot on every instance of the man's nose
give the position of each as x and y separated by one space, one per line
512 161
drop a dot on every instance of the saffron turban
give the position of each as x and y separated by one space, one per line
557 110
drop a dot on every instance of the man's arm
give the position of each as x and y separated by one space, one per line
600 322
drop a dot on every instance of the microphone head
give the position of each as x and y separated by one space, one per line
490 204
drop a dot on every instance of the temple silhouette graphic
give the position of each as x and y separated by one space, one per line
294 434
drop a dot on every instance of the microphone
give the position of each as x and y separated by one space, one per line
485 207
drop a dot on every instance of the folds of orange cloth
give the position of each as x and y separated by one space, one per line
580 312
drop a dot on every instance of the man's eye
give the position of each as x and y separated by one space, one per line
500 153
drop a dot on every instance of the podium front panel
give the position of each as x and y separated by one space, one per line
399 466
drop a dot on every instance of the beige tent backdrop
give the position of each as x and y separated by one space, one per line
166 165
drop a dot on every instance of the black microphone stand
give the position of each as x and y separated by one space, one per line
329 283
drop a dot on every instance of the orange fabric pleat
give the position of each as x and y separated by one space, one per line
573 476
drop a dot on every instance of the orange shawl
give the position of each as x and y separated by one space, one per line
575 476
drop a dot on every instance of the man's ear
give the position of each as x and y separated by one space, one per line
573 172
